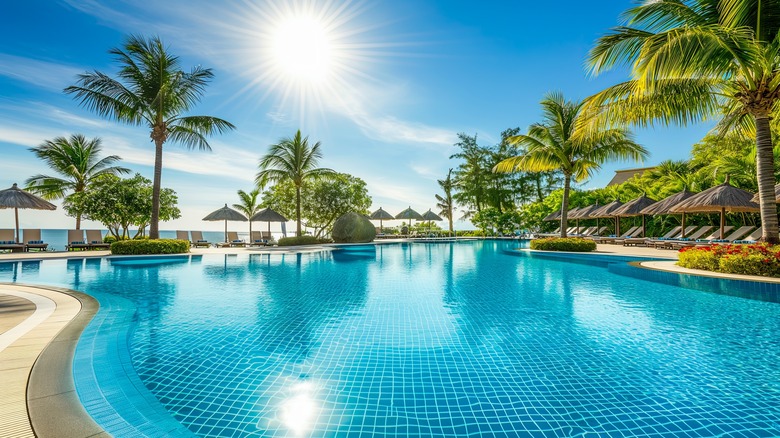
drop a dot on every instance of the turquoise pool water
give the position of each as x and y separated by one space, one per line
443 340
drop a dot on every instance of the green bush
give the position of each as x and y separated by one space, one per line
149 246
705 260
301 240
109 239
751 264
572 244
755 259
353 228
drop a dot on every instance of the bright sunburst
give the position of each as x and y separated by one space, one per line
301 48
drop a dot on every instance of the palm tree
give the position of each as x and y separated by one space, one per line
249 205
77 161
695 59
151 90
445 203
564 143
295 160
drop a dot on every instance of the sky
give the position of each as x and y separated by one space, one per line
385 86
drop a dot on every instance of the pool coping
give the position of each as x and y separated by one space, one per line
51 403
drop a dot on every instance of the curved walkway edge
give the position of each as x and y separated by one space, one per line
39 396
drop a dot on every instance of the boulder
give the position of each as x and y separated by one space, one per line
353 228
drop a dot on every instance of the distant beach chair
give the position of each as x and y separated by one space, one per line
232 240
76 240
95 240
32 240
198 240
257 238
8 242
612 239
183 235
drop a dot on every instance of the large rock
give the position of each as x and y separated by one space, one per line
353 228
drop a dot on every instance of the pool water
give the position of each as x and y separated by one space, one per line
442 340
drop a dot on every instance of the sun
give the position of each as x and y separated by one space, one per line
301 49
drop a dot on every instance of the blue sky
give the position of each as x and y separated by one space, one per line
402 79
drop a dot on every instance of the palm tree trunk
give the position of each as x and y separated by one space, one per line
298 209
565 204
78 221
154 226
765 167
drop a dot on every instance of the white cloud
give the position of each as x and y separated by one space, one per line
40 73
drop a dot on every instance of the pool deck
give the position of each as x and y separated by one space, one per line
40 326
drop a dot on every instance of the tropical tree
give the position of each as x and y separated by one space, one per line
78 163
445 203
249 205
292 159
696 59
152 90
562 142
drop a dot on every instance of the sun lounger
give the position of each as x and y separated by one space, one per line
198 240
233 240
256 239
673 243
8 242
752 237
736 235
76 240
660 243
32 240
612 239
95 240
648 241
183 235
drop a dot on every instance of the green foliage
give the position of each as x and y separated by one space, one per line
353 228
470 233
446 203
150 246
492 221
323 200
302 240
121 204
571 244
760 259
109 239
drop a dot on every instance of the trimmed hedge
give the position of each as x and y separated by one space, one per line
573 244
301 240
148 246
755 259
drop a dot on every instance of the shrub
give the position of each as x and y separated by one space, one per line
301 240
149 246
573 244
353 228
756 259
109 239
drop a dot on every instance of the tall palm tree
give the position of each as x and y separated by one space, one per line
696 59
295 160
445 203
563 142
151 90
249 205
78 163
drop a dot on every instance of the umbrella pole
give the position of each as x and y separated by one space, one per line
16 216
683 225
225 230
617 226
644 224
722 220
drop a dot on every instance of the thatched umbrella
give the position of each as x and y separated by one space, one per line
584 213
409 214
634 207
431 216
381 215
554 216
17 198
777 195
606 211
721 198
225 214
664 206
571 214
267 215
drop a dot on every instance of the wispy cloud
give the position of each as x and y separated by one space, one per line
44 74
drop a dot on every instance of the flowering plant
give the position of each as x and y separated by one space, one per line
753 259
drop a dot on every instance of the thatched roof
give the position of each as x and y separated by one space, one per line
409 214
723 196
607 210
381 214
584 212
665 205
777 195
225 214
633 207
554 216
268 215
18 198
431 216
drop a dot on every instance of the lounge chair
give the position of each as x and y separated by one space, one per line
95 240
8 242
672 243
587 231
32 240
256 239
611 239
752 237
198 240
76 240
183 235
233 240
660 243
646 241
736 235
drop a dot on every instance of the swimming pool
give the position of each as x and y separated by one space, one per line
416 340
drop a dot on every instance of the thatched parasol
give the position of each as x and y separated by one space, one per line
225 214
607 211
721 198
584 213
777 195
554 216
431 216
571 214
267 215
409 214
381 215
17 198
664 206
634 207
